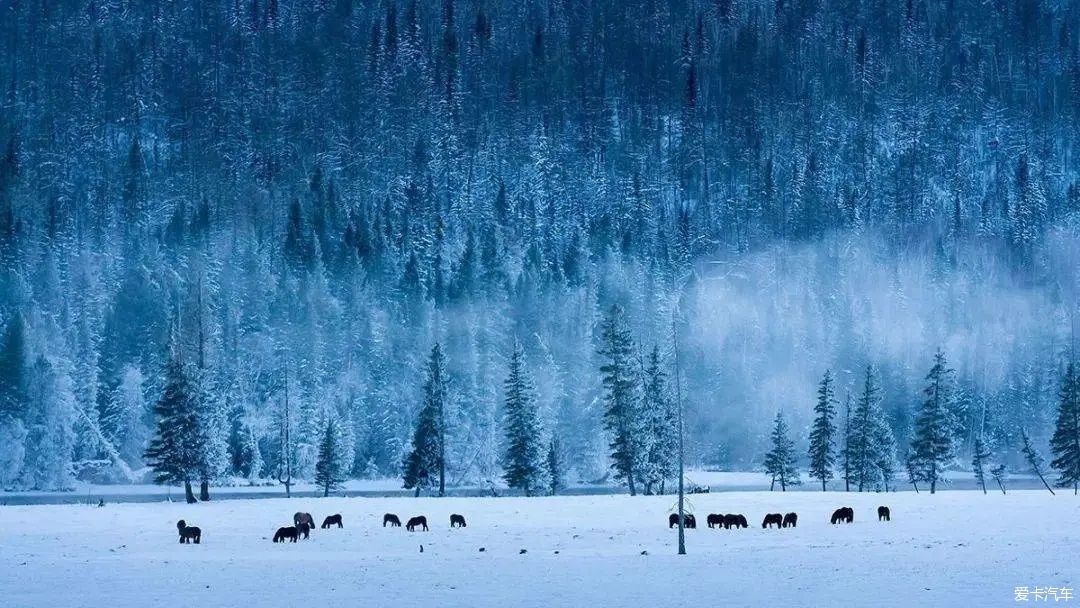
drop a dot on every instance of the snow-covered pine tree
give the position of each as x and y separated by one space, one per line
865 452
330 467
1033 458
50 441
425 465
780 460
523 464
885 458
13 400
822 433
661 427
174 451
622 416
931 445
978 461
1065 443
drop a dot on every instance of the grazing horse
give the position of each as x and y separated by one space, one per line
331 520
304 529
303 518
714 520
391 519
457 520
286 533
419 520
688 520
188 534
773 519
732 520
883 514
790 520
843 514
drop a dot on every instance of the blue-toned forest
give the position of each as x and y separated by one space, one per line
259 217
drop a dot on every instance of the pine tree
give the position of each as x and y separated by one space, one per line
1065 443
425 465
780 461
661 427
822 458
865 450
523 456
1034 459
173 453
330 467
622 412
978 462
845 452
13 371
931 446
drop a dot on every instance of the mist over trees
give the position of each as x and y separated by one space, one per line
281 207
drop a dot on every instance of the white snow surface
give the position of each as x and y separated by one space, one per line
951 548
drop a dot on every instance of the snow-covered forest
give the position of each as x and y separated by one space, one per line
290 203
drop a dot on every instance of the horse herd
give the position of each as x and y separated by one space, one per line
735 520
303 523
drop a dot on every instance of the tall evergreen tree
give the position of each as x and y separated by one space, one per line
13 371
660 427
622 417
425 465
845 452
931 445
1033 458
1065 443
866 451
780 460
554 466
523 455
822 433
330 466
174 452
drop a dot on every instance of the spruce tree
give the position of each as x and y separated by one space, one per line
978 462
622 417
173 453
425 465
931 445
823 430
1065 443
845 452
523 455
330 467
780 460
885 455
864 447
661 427
1034 459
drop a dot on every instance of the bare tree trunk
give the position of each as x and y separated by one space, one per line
188 494
204 490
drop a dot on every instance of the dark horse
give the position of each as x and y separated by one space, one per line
303 518
714 520
771 519
188 534
457 520
331 520
790 520
883 514
844 514
732 520
689 521
286 533
304 529
391 519
419 520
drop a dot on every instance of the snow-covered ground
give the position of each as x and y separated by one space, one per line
956 547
